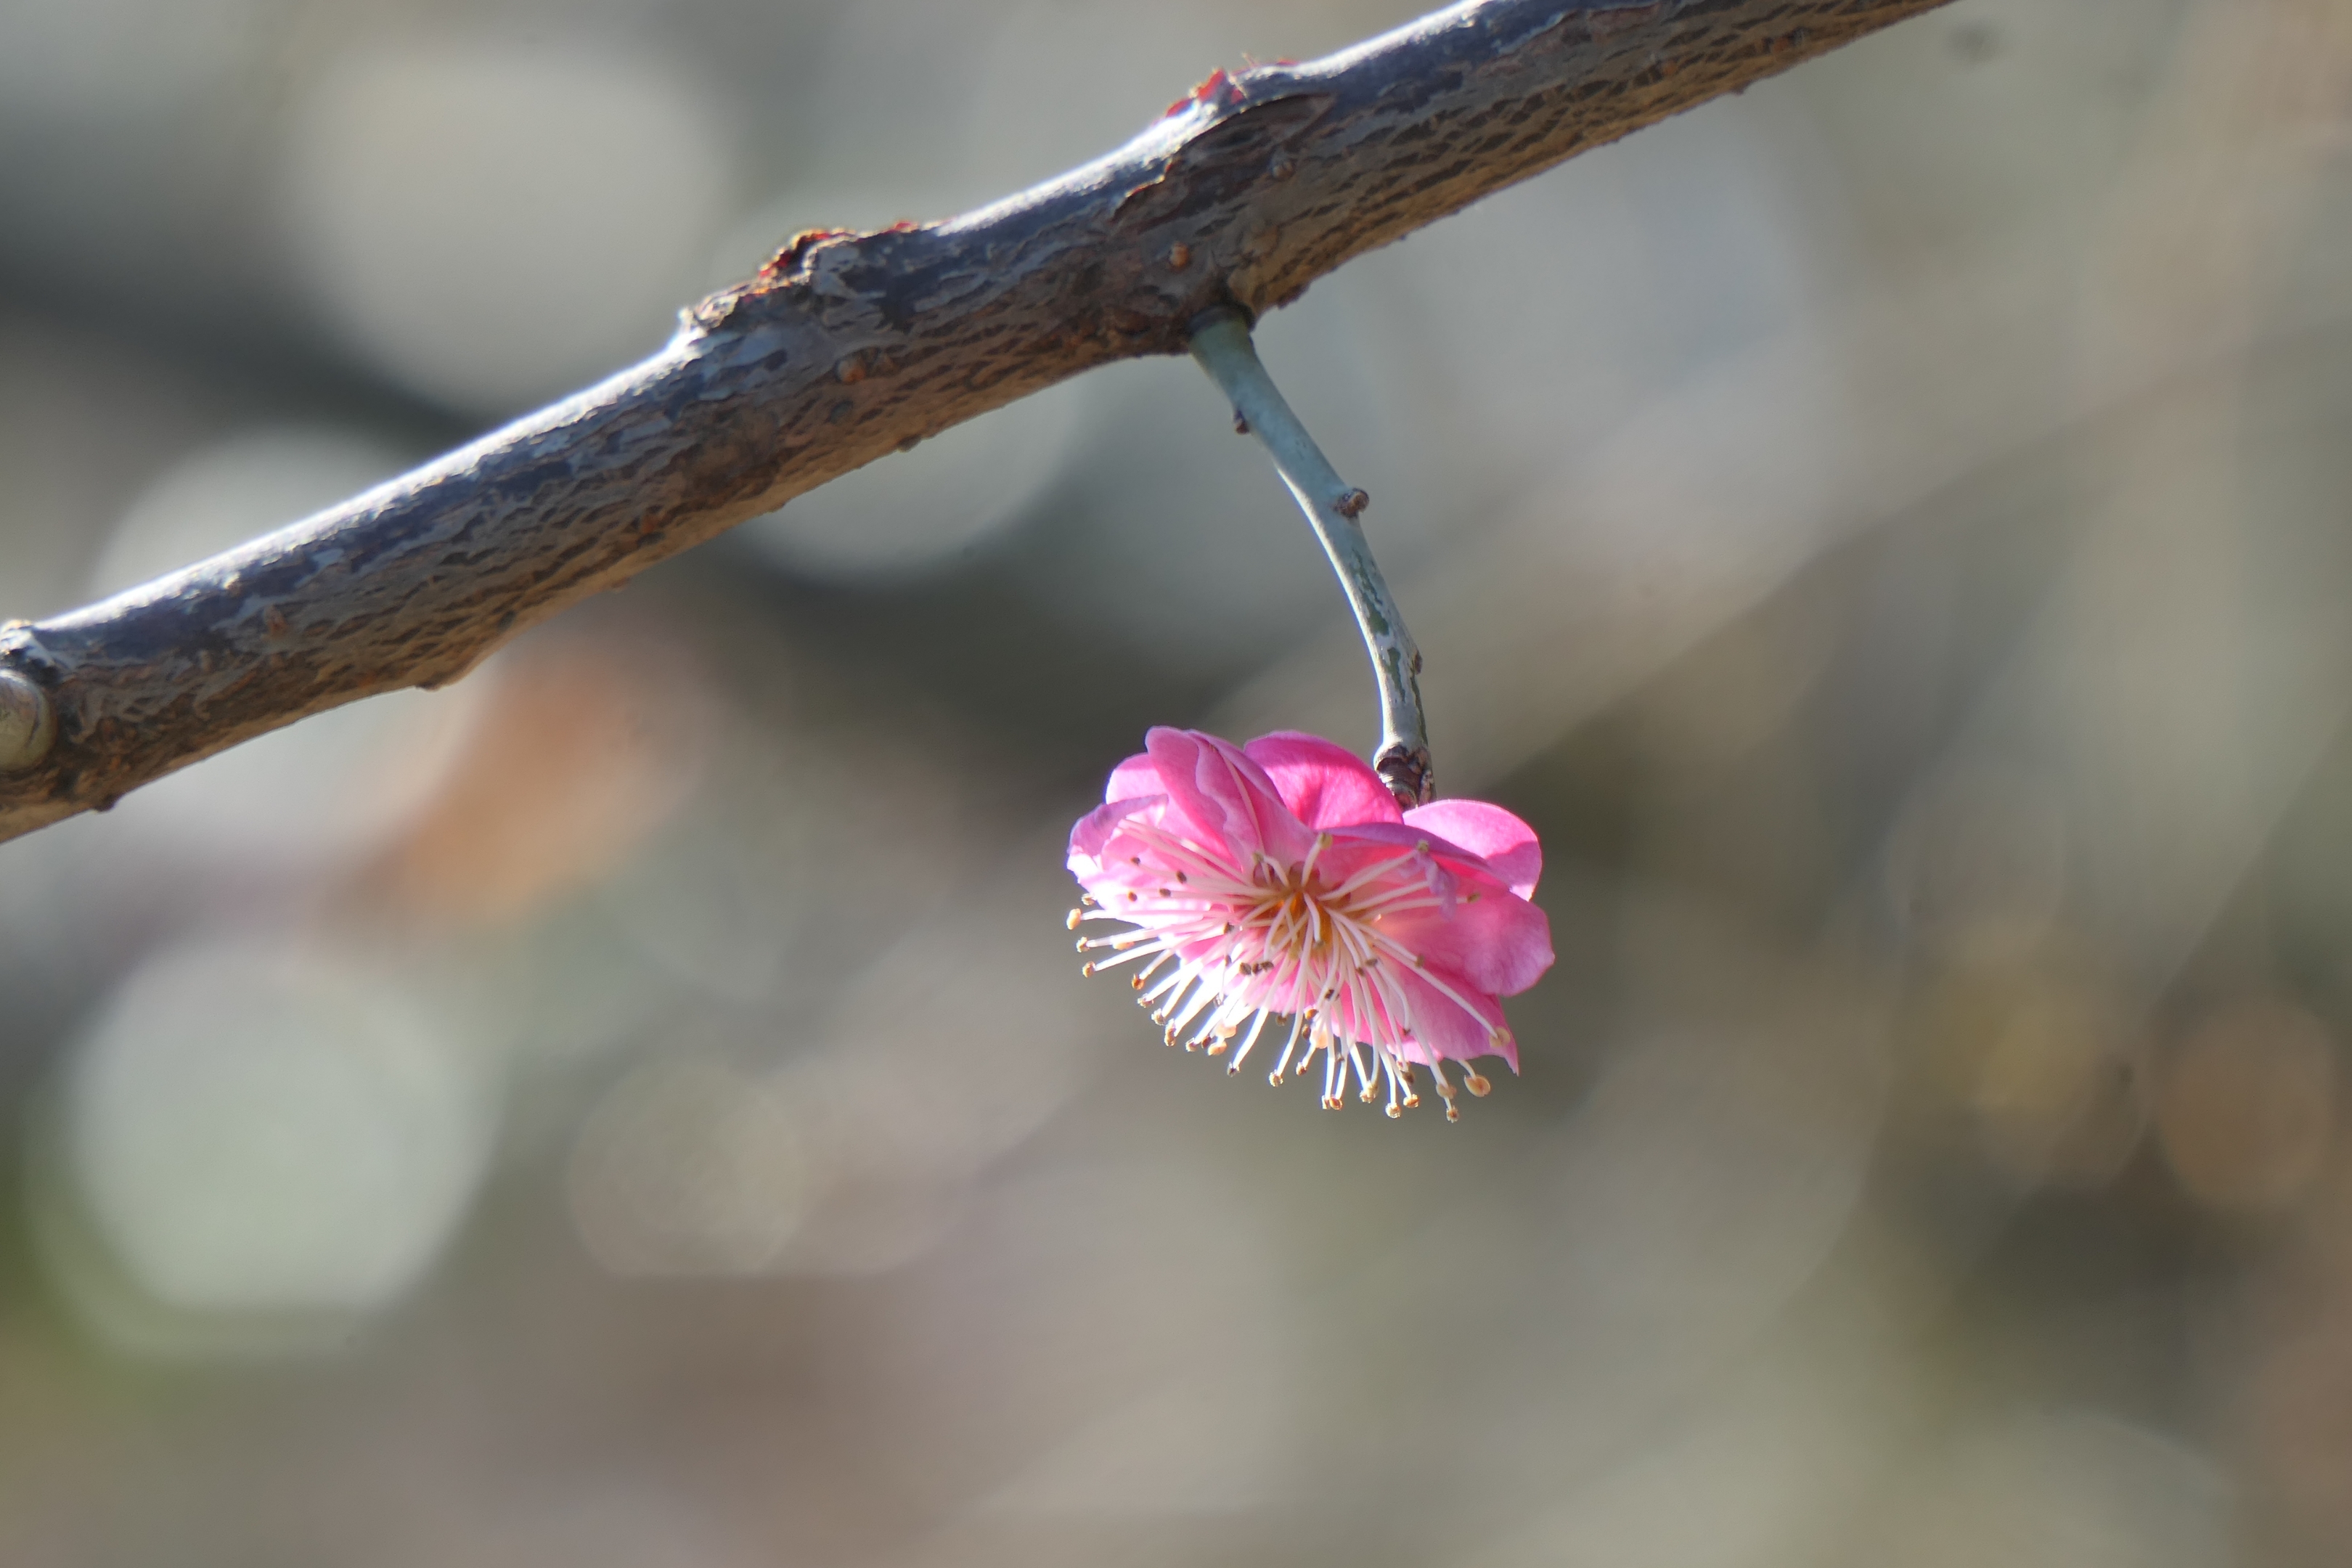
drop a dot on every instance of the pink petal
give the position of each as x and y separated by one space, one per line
1175 757
1096 828
1226 796
1405 836
1494 835
1324 785
1137 775
1497 942
1279 828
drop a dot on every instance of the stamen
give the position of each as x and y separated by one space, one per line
1322 842
1202 996
1117 953
1249 1040
1297 1022
1183 975
1335 1082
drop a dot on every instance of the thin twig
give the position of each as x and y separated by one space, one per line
847 346
1221 342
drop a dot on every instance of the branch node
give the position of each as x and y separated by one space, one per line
1411 776
29 722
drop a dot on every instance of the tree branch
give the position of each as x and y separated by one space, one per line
849 345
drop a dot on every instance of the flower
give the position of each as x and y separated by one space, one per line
1280 878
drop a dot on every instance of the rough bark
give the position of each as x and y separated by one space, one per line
849 345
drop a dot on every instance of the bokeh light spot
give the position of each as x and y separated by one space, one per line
254 1129
581 748
2248 1106
687 1166
492 223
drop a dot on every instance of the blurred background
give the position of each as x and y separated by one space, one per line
1888 531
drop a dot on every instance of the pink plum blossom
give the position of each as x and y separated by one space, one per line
1281 879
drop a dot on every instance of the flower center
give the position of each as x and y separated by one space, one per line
1223 953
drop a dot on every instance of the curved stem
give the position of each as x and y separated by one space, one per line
1221 342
